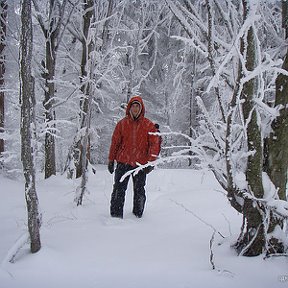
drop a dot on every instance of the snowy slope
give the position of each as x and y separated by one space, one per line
168 247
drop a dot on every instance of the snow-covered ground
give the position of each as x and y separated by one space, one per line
168 247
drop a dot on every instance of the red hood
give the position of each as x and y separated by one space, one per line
138 99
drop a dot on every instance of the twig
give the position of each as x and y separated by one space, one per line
211 226
229 226
14 250
200 219
276 255
211 250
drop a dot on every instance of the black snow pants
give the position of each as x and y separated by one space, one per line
119 190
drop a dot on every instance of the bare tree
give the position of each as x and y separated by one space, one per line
92 44
89 82
86 100
277 143
82 146
27 102
253 240
3 17
53 29
247 118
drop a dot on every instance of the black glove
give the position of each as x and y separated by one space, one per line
111 167
148 169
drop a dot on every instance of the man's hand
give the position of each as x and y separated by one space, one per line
111 167
148 169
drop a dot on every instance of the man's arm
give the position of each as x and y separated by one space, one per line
154 143
115 142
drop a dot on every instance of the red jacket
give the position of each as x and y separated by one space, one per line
131 141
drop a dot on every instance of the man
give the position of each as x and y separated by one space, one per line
132 143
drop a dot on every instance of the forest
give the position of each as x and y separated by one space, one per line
213 75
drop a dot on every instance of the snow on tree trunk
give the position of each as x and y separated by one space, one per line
277 143
80 151
210 56
27 102
246 123
276 150
252 241
3 16
52 33
50 161
84 151
88 78
276 162
254 238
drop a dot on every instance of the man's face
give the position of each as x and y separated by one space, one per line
135 109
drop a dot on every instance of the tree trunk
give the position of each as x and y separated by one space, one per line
27 101
189 84
211 58
276 160
192 112
51 35
80 151
52 40
50 161
276 163
276 145
285 17
3 17
105 33
85 139
253 242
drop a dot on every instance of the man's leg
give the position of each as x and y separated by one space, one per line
139 181
119 190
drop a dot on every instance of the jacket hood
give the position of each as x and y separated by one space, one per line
140 101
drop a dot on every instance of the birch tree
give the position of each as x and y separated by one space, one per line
27 102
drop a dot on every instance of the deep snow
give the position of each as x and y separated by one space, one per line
168 247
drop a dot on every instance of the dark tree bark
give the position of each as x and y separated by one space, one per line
27 102
259 218
52 40
82 151
276 145
285 17
3 17
211 58
51 35
252 242
50 161
276 157
82 146
276 162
